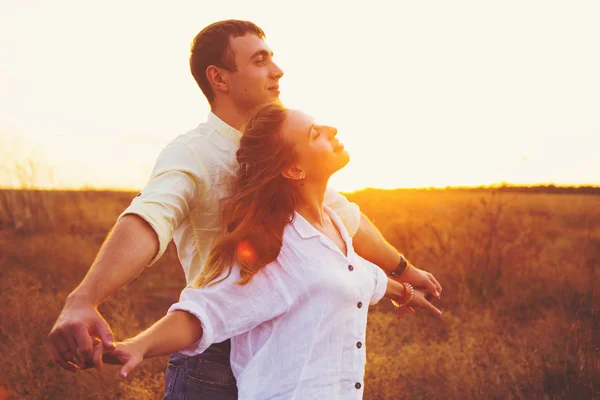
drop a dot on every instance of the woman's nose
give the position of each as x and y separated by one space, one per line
332 131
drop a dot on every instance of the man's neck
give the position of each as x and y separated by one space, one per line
310 202
229 113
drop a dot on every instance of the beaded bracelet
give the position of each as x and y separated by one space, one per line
412 293
409 295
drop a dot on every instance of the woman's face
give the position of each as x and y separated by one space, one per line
318 151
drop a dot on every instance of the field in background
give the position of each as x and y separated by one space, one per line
519 270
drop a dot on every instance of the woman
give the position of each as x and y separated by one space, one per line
282 280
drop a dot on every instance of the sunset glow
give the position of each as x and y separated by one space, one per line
422 93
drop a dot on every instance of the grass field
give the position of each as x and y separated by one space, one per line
519 270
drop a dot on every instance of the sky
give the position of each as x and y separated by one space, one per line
423 93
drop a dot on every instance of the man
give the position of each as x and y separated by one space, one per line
235 70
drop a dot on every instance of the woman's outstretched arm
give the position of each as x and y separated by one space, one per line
208 315
172 333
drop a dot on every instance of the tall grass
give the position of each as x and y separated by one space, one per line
520 300
521 307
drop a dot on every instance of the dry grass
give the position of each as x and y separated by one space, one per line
520 276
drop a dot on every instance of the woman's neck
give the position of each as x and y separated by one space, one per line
310 202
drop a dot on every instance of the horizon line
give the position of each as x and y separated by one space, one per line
430 187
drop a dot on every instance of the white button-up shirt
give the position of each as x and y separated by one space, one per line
298 328
192 178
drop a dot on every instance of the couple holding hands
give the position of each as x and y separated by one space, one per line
280 269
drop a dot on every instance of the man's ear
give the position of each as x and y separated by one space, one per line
218 78
294 173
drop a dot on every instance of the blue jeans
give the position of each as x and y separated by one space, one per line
205 376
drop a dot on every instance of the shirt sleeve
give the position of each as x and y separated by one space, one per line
380 278
228 309
177 184
348 212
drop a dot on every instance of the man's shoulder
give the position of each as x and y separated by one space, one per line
200 134
199 140
200 146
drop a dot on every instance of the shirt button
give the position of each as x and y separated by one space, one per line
359 305
357 385
359 345
350 268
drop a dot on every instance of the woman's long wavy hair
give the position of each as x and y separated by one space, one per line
262 202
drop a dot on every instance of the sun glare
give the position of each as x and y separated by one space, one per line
420 98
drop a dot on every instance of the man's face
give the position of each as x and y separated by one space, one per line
256 80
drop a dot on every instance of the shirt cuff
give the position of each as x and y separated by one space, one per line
381 281
163 238
208 334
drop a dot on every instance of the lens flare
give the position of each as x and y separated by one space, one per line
245 253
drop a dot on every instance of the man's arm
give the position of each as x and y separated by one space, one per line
125 253
138 239
127 250
370 244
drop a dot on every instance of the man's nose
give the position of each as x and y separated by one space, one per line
276 72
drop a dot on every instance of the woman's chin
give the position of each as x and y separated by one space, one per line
343 159
346 155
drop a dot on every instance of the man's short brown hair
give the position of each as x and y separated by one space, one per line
211 47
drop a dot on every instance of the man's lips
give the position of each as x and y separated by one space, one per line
339 147
274 88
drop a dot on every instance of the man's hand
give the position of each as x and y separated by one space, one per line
71 339
421 279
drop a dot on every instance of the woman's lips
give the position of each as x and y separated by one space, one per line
339 147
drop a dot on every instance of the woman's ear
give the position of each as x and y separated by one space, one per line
294 173
217 78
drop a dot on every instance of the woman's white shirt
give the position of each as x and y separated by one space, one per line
298 328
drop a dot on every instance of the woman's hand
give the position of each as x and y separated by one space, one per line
421 301
129 353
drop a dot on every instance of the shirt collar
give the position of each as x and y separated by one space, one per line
223 128
303 227
306 230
